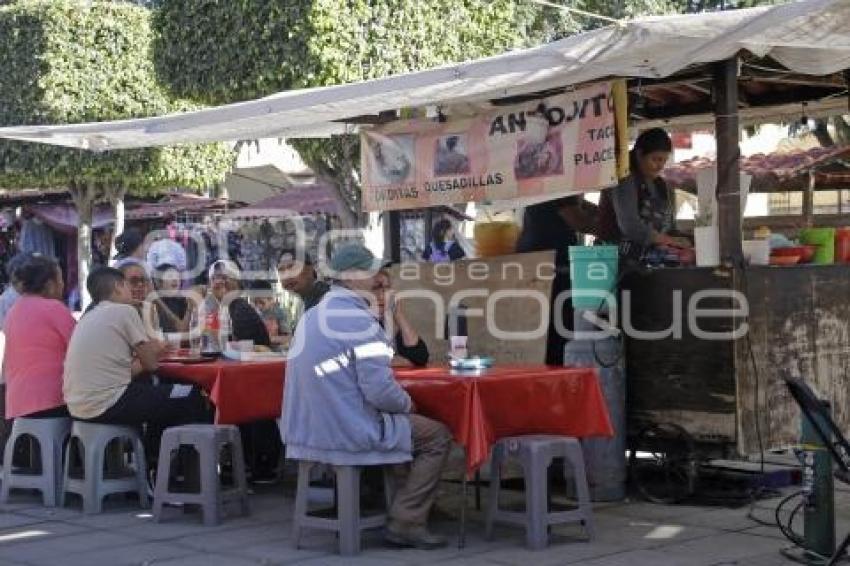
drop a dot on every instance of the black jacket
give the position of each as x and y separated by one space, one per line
246 323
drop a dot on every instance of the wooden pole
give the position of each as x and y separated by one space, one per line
809 202
728 158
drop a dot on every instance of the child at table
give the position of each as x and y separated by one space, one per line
274 317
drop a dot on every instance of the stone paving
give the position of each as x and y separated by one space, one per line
629 534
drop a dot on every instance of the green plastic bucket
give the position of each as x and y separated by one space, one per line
592 268
824 239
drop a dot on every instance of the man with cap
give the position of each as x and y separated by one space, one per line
298 275
342 405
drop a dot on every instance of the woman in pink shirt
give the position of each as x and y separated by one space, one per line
38 329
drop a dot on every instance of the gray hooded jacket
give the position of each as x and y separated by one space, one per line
341 403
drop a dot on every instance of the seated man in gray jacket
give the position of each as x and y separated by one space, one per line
343 406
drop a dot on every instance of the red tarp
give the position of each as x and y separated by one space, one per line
64 218
504 401
174 205
300 199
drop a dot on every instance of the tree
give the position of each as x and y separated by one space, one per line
68 61
219 52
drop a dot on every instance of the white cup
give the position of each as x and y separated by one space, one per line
174 340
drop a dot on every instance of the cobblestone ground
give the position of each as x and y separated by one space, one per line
630 534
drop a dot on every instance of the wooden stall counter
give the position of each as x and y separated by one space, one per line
797 321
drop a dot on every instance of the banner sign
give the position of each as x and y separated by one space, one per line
562 143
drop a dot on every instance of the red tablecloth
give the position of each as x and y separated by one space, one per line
509 401
479 410
241 391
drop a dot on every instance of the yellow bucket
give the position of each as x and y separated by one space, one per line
496 238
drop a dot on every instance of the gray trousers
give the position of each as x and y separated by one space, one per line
417 491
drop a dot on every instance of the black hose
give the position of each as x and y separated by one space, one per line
788 531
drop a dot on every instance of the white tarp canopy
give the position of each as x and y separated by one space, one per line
808 37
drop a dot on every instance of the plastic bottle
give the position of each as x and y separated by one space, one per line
224 327
209 334
195 333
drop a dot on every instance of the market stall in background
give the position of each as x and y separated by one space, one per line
269 226
47 222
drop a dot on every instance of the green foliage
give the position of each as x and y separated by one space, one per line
217 52
70 61
220 52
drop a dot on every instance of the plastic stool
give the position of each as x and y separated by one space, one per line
95 485
207 440
348 523
535 453
50 435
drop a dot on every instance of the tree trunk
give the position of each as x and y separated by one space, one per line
83 195
116 201
343 186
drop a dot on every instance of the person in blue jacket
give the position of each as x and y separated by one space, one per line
342 405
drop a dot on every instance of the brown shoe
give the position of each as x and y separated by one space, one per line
413 537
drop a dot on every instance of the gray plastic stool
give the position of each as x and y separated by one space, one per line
348 523
51 435
207 440
535 453
95 485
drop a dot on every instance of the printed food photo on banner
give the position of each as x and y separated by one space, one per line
539 159
393 158
452 157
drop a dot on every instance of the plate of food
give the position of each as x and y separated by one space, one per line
255 354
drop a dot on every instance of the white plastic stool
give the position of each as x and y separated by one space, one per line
536 453
348 523
207 440
50 434
94 486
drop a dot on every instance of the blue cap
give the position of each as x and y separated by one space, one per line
355 256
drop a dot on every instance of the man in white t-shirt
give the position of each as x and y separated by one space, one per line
108 360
